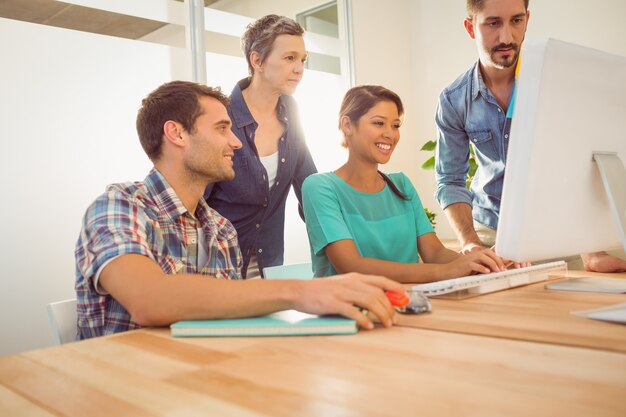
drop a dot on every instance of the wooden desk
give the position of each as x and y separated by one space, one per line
384 372
529 313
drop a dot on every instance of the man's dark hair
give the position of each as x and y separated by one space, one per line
475 6
178 101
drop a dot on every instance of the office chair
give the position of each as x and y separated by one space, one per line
290 271
63 320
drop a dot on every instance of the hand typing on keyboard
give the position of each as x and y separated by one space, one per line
437 261
508 263
476 262
515 265
472 248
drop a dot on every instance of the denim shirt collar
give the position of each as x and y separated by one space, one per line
478 85
241 113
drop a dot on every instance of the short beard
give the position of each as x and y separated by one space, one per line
505 64
204 174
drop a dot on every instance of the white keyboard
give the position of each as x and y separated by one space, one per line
495 281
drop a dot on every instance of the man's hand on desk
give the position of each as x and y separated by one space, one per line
508 263
349 295
515 265
602 262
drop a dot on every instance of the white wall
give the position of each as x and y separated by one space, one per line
175 35
381 56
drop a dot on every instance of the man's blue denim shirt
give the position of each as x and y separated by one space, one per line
256 211
469 114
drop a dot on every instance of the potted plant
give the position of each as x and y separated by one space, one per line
429 164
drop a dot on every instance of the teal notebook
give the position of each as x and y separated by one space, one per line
282 323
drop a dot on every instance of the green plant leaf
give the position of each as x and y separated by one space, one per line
429 164
429 146
472 168
431 217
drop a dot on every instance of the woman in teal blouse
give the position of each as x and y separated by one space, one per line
361 220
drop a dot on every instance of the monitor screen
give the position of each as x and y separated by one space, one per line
570 102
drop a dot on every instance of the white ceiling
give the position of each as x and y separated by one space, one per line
59 14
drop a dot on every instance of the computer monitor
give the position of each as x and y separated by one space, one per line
570 103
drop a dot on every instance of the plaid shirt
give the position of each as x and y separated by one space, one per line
148 219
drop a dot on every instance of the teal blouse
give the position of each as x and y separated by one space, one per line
382 225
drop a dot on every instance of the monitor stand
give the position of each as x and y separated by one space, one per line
613 176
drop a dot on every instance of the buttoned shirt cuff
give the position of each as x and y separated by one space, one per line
452 194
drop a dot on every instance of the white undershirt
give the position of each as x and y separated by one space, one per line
253 271
270 162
